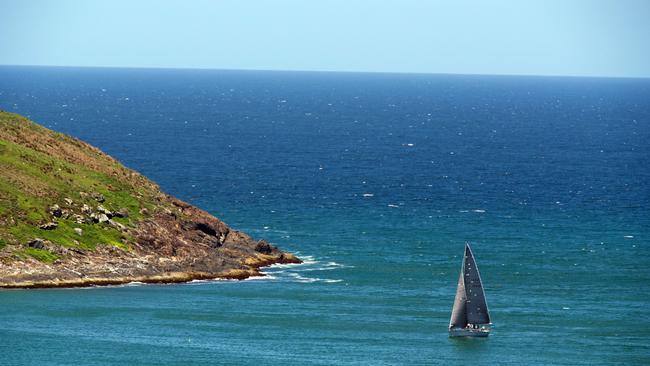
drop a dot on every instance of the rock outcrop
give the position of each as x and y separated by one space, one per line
71 215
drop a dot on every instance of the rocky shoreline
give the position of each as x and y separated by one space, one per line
72 216
165 278
175 245
166 250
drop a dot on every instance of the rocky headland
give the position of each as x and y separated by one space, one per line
72 216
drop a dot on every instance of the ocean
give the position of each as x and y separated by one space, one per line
376 181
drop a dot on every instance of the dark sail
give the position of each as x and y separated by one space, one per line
476 305
470 305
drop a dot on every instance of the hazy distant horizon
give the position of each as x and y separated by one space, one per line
328 71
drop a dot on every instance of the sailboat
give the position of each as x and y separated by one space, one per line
470 316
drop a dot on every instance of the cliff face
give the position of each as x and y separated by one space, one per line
71 215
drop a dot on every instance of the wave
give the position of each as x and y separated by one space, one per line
303 279
266 277
297 272
134 283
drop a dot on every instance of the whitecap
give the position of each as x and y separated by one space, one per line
308 260
368 195
314 269
285 265
628 236
266 277
303 279
391 205
479 211
334 264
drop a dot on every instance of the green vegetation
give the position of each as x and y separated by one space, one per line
40 168
39 254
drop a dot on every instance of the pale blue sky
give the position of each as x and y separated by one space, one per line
539 37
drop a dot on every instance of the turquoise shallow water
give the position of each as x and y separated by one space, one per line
377 181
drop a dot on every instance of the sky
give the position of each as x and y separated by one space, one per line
531 37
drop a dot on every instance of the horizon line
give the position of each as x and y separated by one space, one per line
326 71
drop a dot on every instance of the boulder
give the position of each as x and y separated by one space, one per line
79 219
99 197
68 201
117 225
99 217
263 247
79 231
37 243
206 228
122 212
56 211
102 209
86 209
49 226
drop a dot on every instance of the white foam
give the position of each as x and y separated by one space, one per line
211 280
285 265
296 272
314 269
391 205
306 260
266 277
368 195
334 264
479 211
303 279
628 236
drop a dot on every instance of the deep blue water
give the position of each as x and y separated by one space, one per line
377 180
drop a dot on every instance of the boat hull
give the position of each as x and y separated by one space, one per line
468 332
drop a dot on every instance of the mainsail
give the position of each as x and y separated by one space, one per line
470 306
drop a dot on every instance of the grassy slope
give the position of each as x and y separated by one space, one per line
40 168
